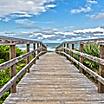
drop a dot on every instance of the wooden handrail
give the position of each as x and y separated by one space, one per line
90 57
64 49
38 49
92 73
18 75
83 41
16 60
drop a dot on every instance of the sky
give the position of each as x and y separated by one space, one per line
52 20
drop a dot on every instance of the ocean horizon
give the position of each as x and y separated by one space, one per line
50 46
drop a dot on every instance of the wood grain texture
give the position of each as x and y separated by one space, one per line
13 67
8 85
101 70
13 61
86 69
54 80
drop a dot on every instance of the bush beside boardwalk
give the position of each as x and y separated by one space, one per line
94 50
5 74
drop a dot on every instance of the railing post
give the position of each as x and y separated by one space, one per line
101 70
67 47
13 68
40 47
72 49
28 58
34 48
81 58
38 44
64 47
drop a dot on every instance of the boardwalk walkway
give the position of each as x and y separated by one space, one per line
54 80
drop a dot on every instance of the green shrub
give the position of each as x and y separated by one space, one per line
91 49
5 74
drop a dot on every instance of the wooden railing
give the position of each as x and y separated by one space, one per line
67 49
38 49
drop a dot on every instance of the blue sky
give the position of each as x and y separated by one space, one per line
50 19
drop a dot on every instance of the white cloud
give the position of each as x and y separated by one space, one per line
59 36
21 14
65 33
98 16
84 9
92 1
81 10
34 7
97 30
24 22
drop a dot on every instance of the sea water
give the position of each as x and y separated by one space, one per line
50 46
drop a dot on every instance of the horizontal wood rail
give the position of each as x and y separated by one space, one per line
97 40
88 70
67 49
38 49
9 84
16 60
90 57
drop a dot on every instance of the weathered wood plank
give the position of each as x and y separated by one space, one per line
18 75
92 73
54 80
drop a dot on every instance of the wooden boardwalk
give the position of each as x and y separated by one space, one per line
54 80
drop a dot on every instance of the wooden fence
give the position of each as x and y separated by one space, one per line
38 49
67 49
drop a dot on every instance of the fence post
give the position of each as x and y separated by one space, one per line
101 70
34 48
28 58
38 44
13 68
64 46
81 58
67 47
72 49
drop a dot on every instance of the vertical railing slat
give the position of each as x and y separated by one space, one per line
81 57
101 70
28 58
13 68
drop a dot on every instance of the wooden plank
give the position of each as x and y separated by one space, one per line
18 75
13 67
54 80
101 70
92 73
